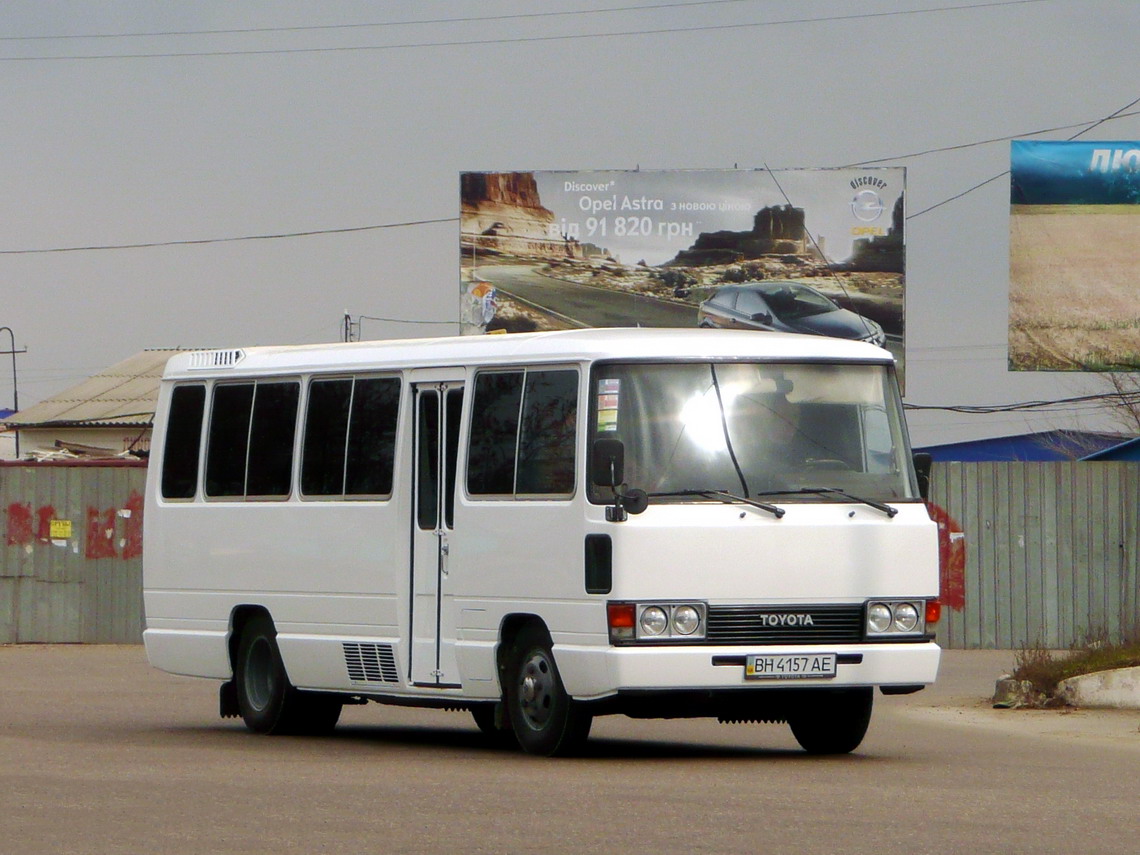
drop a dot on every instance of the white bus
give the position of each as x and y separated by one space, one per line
543 528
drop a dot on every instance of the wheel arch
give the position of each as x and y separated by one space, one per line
240 616
509 629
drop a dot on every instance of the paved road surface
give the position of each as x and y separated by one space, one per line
585 305
101 754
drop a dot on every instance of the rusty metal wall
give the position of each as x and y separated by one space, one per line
1052 553
71 565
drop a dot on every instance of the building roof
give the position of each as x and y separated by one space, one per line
121 395
1127 450
1031 447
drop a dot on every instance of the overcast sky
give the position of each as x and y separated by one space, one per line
308 120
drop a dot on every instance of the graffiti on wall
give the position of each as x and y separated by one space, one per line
114 532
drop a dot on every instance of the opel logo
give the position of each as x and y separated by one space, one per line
867 206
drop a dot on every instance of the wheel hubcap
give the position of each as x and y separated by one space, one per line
536 691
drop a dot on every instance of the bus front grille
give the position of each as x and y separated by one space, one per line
785 624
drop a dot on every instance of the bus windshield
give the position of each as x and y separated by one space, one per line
792 432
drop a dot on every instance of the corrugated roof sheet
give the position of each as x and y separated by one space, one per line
124 394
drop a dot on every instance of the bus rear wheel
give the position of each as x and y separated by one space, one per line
267 702
833 723
545 719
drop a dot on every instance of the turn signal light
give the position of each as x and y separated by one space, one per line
933 611
621 618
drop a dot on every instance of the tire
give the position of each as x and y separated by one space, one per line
266 700
545 719
496 726
834 723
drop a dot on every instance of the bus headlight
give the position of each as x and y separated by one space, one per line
686 620
906 617
895 617
656 621
878 617
653 621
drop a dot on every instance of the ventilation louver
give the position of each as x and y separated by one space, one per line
216 358
370 663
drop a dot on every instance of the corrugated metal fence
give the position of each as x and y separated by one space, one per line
1051 551
71 567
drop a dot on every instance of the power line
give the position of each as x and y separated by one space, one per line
522 39
1091 123
1115 114
200 241
375 24
1007 138
403 320
1073 404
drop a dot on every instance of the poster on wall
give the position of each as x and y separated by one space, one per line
816 251
1074 249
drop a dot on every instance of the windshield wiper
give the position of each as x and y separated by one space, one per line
725 497
835 491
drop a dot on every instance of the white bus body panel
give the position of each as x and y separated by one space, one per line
336 574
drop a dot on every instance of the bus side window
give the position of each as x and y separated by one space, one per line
229 439
494 433
270 466
371 450
183 439
326 431
547 437
250 449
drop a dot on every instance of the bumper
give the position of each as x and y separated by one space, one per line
591 673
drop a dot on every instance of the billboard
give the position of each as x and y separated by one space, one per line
816 251
1074 249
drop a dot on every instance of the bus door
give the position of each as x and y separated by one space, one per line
437 409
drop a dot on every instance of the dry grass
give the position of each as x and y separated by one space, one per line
1045 670
1073 300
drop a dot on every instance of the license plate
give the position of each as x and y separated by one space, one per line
789 666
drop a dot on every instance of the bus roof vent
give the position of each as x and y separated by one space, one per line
216 358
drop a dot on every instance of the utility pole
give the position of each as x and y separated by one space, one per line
15 389
351 331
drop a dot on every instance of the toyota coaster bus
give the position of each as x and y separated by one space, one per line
543 528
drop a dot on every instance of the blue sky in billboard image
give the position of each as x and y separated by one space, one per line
1105 172
217 174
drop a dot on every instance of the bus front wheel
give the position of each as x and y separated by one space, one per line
266 700
833 723
545 719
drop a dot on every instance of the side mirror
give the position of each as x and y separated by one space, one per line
922 464
607 469
635 501
607 462
762 318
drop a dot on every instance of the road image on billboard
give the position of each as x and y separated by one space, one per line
1074 249
817 251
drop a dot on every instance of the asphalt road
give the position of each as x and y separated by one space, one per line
101 754
586 305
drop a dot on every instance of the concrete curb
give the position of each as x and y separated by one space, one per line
1118 688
